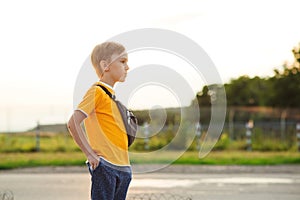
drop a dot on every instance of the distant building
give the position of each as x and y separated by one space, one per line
55 128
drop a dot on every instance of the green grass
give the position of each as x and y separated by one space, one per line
26 142
241 158
222 158
19 150
17 160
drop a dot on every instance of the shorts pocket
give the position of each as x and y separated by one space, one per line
91 170
89 167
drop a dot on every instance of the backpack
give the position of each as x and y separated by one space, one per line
129 120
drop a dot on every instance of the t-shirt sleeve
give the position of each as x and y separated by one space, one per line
89 101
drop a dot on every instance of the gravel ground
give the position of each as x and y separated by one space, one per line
196 181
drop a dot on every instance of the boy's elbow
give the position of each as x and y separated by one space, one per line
70 124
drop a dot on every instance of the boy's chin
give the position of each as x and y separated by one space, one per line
122 79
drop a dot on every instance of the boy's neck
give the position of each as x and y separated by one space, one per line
108 82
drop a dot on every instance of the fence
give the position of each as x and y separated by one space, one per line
268 124
6 195
153 196
265 129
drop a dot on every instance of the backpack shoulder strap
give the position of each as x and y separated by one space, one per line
107 92
129 120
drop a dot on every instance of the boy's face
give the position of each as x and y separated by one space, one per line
118 67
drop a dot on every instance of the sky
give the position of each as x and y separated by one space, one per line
43 44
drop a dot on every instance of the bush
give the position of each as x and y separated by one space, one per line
270 145
223 142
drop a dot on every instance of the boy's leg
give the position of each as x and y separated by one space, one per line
103 183
122 184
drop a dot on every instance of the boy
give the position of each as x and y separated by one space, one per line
106 145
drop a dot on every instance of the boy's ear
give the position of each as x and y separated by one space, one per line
103 65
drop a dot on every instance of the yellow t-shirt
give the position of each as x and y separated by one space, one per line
104 126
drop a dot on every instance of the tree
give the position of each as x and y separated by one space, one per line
203 97
246 91
286 83
281 90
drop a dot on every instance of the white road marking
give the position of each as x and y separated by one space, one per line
170 183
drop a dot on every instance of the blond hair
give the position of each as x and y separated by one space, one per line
105 51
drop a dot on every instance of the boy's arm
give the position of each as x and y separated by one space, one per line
78 134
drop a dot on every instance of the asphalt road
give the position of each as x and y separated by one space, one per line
234 183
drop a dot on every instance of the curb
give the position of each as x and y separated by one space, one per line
184 169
